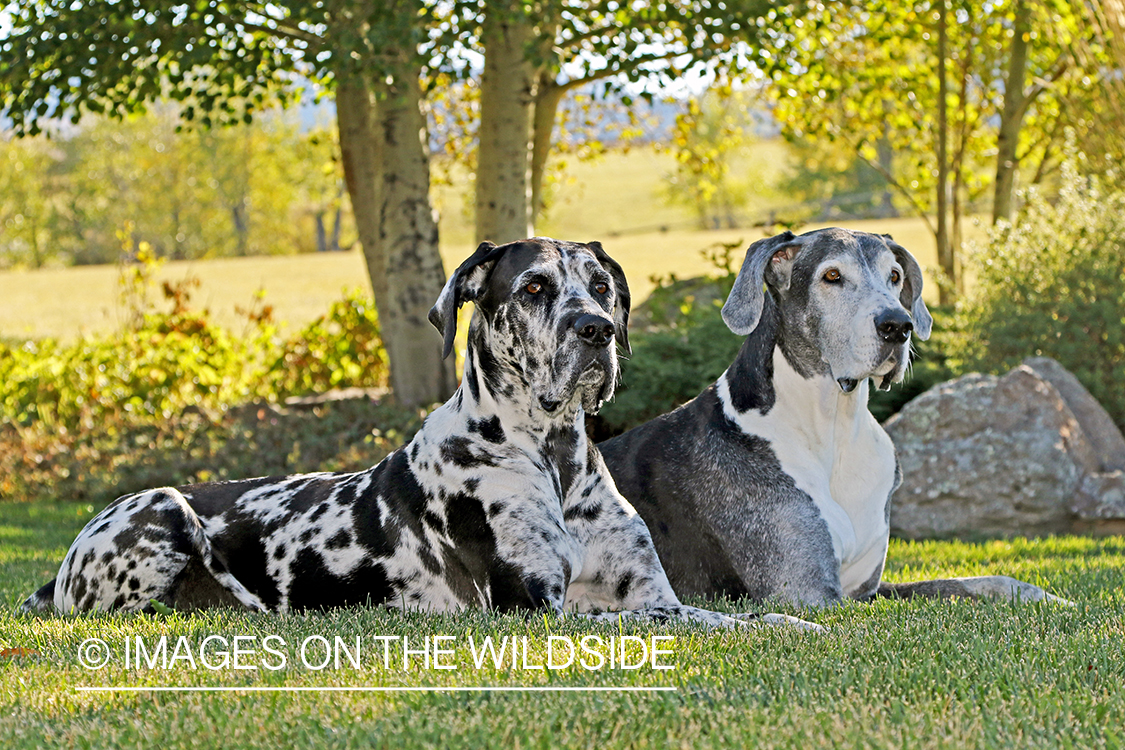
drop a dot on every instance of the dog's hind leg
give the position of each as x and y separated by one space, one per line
975 587
144 548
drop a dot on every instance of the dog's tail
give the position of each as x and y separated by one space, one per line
42 600
972 587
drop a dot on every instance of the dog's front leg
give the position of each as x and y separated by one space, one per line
621 576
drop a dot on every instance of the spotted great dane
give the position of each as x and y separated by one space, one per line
499 501
776 481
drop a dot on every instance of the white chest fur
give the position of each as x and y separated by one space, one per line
834 450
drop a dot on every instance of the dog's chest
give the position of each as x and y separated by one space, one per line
840 457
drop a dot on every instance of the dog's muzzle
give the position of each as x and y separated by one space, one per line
589 369
594 330
894 325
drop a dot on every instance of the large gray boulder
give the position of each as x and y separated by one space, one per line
1105 439
990 456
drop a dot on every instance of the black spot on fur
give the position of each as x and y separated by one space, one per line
216 498
458 450
490 370
474 385
560 450
750 377
78 588
339 540
243 546
315 587
472 562
396 484
489 429
434 521
279 552
582 512
623 586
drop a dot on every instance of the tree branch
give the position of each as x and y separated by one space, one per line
893 183
291 33
618 69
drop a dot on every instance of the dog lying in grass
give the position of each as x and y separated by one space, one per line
499 502
776 481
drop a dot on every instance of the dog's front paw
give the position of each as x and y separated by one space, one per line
777 620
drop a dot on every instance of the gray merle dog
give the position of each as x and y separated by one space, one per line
776 481
499 501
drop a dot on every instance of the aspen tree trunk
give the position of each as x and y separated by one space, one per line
503 189
946 260
363 174
386 170
408 235
1011 117
548 95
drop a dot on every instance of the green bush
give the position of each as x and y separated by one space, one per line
172 397
164 362
120 454
1053 285
680 345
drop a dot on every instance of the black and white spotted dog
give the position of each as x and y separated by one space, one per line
498 502
776 481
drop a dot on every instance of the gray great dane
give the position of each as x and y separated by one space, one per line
499 501
776 481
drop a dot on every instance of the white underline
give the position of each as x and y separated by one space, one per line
366 689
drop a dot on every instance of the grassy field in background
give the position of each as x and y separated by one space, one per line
608 199
886 675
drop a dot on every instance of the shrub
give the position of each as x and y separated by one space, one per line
680 345
164 362
172 397
119 454
1053 285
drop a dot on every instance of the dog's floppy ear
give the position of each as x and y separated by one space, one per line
743 308
465 285
911 296
621 311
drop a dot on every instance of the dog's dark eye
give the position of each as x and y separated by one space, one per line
832 276
534 287
895 277
601 287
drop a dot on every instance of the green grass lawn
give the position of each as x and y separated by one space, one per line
890 674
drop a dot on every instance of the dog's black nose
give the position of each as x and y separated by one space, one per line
894 326
594 329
